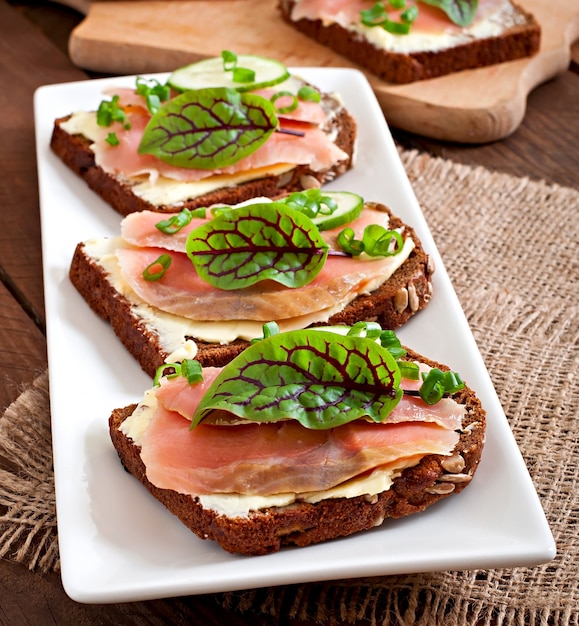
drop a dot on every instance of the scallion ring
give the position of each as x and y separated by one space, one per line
348 242
229 60
309 94
192 371
374 16
175 223
396 28
409 370
243 75
164 261
285 94
410 14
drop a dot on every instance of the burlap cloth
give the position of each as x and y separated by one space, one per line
511 248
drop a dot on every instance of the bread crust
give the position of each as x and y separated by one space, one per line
405 293
516 42
75 152
301 524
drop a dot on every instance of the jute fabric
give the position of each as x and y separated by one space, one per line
510 246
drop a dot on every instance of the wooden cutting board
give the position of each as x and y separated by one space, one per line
474 106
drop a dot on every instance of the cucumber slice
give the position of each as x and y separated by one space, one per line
210 73
350 206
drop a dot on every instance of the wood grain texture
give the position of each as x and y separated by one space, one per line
474 106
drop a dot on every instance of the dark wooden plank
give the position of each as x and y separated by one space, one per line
28 598
23 68
22 349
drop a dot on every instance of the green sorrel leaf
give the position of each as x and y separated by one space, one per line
461 12
319 378
263 241
209 128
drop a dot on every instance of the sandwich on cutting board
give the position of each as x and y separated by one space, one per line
304 437
222 130
208 279
402 41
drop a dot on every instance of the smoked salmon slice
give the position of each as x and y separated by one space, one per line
282 457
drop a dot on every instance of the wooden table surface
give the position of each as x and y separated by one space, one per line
33 44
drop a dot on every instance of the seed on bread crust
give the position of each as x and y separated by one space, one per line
441 489
413 299
453 464
401 299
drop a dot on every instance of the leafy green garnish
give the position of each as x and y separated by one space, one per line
209 128
319 378
461 12
262 241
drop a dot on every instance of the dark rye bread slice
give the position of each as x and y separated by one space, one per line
405 293
518 40
75 152
301 524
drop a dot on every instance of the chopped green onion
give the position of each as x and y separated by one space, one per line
370 330
374 16
178 221
110 111
311 202
396 28
269 330
309 94
285 94
390 341
376 241
175 367
397 4
409 370
239 74
164 261
348 242
112 139
175 223
437 383
192 371
189 369
243 75
229 60
409 14
153 92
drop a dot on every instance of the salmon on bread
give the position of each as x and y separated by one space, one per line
152 284
304 437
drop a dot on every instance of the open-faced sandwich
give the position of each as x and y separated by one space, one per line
305 436
215 276
221 130
402 41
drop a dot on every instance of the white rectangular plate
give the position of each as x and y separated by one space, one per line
117 543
